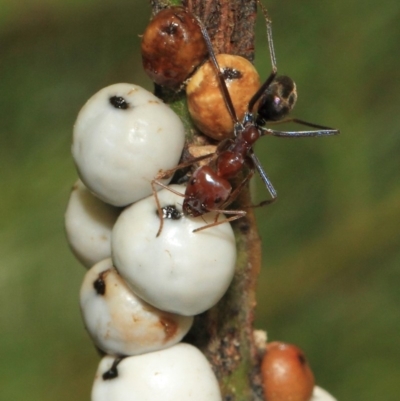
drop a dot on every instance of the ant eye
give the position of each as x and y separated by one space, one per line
172 47
206 102
278 100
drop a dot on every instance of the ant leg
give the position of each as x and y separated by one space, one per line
220 76
302 122
235 193
324 131
236 214
260 91
264 177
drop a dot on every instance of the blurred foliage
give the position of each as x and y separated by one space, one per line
331 244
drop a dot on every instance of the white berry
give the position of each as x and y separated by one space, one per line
119 322
123 137
319 394
180 271
178 373
88 225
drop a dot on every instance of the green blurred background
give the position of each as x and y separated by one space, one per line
331 245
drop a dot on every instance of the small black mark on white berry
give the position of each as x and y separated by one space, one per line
112 373
99 284
119 102
171 212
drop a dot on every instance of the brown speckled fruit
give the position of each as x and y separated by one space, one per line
172 47
286 374
205 101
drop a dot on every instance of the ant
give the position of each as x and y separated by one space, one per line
209 189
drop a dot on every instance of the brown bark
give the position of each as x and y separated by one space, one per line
225 333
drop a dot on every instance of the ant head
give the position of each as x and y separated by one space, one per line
277 100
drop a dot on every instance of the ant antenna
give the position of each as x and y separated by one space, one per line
268 22
271 47
220 74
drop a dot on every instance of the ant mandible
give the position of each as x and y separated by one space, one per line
209 189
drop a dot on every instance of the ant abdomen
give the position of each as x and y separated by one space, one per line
201 197
277 101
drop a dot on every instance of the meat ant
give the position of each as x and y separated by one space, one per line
209 189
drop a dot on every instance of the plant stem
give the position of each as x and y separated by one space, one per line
225 333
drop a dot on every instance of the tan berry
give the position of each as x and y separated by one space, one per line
206 103
286 374
172 47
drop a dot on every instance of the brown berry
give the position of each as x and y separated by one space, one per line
205 101
172 47
286 374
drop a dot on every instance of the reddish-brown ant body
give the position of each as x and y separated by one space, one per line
209 189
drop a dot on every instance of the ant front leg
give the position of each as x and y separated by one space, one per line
236 214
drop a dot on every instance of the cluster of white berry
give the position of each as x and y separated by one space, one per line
141 291
158 254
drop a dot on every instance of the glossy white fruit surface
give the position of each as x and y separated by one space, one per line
88 225
123 137
119 322
178 373
319 394
180 271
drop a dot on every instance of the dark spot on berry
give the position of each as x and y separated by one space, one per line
119 102
218 199
170 29
230 73
171 212
112 373
99 284
302 359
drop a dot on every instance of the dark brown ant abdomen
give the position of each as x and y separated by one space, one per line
206 191
278 100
